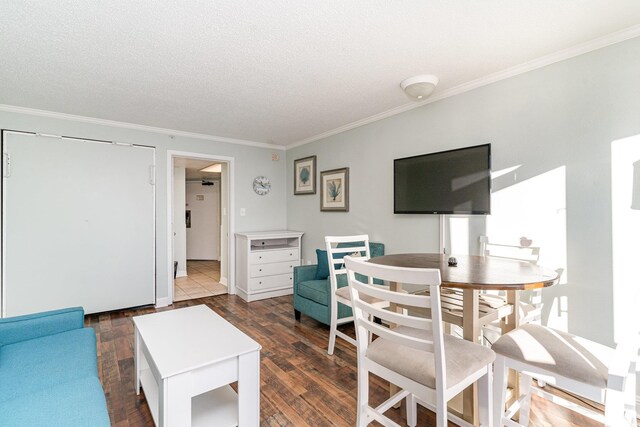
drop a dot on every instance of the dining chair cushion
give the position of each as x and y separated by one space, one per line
557 352
463 358
344 293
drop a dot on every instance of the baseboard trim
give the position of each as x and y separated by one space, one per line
223 281
163 302
181 273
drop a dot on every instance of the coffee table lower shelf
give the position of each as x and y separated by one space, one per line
217 407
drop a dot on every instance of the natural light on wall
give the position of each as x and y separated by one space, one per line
535 208
625 205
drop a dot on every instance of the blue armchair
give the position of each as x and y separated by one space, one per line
311 296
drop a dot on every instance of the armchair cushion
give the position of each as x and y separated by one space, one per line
323 265
315 290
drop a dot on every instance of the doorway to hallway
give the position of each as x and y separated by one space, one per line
199 202
202 281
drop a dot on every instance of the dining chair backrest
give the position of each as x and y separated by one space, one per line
337 248
365 312
517 252
531 308
340 246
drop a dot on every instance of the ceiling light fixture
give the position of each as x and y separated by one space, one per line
217 167
418 88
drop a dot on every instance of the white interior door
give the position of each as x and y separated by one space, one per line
203 235
78 225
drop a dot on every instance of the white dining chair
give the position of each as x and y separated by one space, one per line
337 248
428 366
593 371
530 308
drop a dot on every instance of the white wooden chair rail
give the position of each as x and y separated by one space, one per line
414 354
452 309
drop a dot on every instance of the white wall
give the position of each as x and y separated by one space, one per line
262 212
203 238
179 226
551 131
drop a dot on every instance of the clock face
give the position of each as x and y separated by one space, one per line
261 185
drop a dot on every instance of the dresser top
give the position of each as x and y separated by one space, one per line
270 234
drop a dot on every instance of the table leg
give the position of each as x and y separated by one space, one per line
470 332
249 389
175 401
136 361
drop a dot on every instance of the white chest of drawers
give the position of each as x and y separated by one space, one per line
264 263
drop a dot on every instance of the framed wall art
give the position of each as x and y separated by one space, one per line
304 176
334 190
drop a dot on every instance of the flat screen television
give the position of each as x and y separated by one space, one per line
447 182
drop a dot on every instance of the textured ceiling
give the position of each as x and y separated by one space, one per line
276 71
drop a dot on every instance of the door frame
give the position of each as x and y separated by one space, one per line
231 255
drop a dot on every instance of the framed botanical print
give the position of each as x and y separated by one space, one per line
304 176
334 190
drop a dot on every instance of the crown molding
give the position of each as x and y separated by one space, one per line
133 126
599 43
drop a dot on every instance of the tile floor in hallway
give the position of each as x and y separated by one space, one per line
202 280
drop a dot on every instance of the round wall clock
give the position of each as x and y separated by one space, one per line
261 185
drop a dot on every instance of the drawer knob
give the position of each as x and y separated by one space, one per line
260 283
259 257
260 270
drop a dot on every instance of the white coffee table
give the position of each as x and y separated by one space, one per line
194 353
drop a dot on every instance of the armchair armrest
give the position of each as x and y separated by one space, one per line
22 328
302 273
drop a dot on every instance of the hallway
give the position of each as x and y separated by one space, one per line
202 281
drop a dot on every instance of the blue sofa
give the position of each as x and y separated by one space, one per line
48 372
311 294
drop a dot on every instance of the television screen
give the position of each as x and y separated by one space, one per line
448 182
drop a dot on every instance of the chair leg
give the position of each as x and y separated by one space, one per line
631 412
499 390
525 405
412 410
441 411
296 313
363 396
333 327
614 409
485 402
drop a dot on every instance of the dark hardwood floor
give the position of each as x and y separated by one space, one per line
300 384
